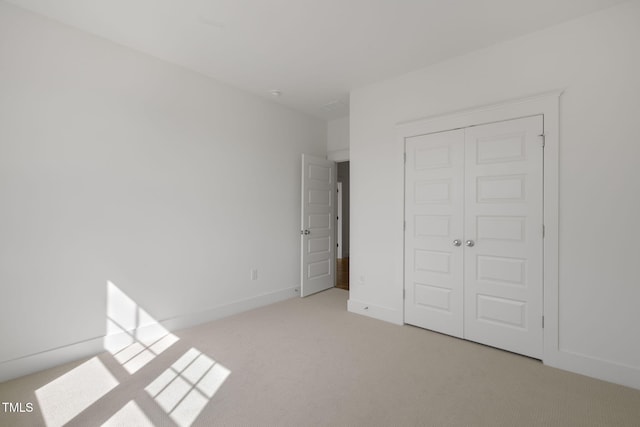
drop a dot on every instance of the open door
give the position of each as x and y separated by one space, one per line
318 219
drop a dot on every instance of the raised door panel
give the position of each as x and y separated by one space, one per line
503 216
433 212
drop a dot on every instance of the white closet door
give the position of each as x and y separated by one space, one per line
433 213
504 218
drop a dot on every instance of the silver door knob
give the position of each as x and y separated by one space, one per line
457 242
469 243
305 232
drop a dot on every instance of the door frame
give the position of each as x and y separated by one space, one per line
339 221
545 104
340 156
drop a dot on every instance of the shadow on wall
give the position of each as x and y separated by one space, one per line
147 377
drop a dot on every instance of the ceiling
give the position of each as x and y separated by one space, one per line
313 51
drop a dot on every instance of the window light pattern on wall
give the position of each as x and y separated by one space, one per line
133 337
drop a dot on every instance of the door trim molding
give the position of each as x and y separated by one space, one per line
339 223
548 105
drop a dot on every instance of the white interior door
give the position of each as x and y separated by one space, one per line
504 218
434 196
481 188
317 234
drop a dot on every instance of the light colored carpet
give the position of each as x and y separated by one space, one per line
308 362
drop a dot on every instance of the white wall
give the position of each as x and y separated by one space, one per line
597 60
117 166
338 139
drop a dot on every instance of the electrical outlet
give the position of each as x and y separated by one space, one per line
254 274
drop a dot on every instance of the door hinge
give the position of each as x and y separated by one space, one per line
404 293
543 230
543 136
542 322
404 225
405 158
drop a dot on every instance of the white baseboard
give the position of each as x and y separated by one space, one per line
381 313
29 364
229 309
49 358
605 370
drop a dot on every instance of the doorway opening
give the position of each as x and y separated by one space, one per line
342 238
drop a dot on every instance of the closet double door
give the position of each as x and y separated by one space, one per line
474 233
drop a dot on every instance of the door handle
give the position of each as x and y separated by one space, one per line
305 232
457 242
469 243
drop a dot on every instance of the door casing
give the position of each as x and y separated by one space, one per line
547 105
339 222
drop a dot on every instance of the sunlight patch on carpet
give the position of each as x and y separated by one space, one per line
184 389
68 395
129 415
